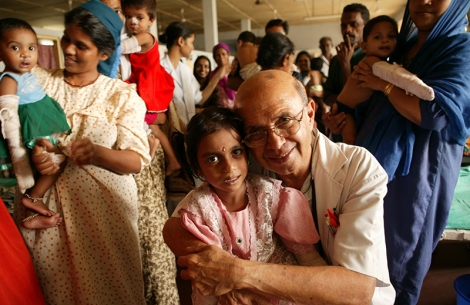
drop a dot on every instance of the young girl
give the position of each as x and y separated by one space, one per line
380 40
28 114
234 210
154 85
202 70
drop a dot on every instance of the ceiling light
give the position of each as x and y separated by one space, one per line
322 17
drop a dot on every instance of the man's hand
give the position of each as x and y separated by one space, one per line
211 270
345 51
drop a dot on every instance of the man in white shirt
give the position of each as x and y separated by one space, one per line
344 180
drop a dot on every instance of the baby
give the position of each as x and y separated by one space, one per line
380 40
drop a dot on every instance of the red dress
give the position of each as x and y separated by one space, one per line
18 282
154 85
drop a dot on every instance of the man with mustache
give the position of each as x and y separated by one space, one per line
349 52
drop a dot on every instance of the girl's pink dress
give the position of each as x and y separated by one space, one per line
251 233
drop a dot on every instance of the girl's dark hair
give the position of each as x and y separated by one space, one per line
202 124
303 53
93 27
149 5
208 78
10 24
371 23
174 31
316 64
272 49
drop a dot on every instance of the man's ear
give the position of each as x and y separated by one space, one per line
151 20
311 108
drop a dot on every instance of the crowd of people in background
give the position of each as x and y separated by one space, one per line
275 207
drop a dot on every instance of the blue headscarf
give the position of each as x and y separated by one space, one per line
110 19
443 62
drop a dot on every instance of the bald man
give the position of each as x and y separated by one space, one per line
344 180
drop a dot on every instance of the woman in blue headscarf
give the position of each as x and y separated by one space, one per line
420 143
93 257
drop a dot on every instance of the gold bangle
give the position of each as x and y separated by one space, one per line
388 89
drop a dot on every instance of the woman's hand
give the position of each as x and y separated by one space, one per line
222 71
42 159
363 73
82 152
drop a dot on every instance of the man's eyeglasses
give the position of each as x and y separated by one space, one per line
287 127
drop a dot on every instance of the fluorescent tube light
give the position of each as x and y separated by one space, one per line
322 17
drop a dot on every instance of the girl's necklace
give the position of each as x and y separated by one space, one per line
81 86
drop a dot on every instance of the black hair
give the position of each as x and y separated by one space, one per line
277 22
325 38
371 23
93 27
316 64
247 36
208 78
358 7
202 124
272 50
149 5
174 31
303 53
10 24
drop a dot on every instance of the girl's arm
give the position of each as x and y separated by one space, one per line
8 86
141 42
84 152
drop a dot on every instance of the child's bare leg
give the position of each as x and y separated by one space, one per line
351 95
173 164
349 131
37 221
33 199
153 145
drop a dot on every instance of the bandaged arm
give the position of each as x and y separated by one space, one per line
402 78
130 45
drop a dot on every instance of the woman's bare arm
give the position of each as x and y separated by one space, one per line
206 93
84 152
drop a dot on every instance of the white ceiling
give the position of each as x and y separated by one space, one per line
49 13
